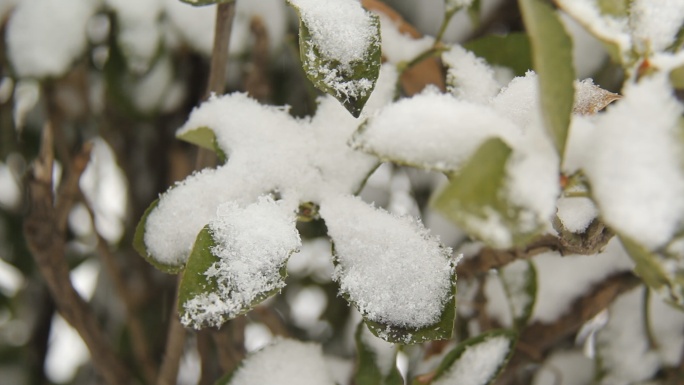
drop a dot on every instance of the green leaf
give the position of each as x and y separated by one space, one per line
196 284
206 138
442 330
199 3
350 83
552 58
368 369
617 8
494 346
677 77
139 243
650 268
512 50
519 280
475 199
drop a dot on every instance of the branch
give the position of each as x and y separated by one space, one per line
47 247
592 241
175 340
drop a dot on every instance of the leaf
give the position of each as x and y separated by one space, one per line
512 50
441 330
519 280
139 243
477 361
649 266
677 77
552 58
369 371
619 8
475 199
238 261
199 3
399 277
203 137
350 80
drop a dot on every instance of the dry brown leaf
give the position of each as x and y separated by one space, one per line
590 98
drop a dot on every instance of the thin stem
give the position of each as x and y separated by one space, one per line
175 340
443 27
648 327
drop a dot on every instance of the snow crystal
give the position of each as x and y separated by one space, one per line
576 213
655 27
563 280
389 266
478 363
341 29
251 244
44 37
470 78
285 362
384 351
634 163
398 47
430 130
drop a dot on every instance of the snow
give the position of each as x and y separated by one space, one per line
252 244
10 188
285 362
562 280
478 363
44 37
655 28
195 25
430 130
576 213
622 343
105 187
342 34
304 160
340 29
398 47
516 277
588 53
469 77
377 255
139 33
314 260
633 163
567 367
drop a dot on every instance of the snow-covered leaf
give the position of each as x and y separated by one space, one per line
375 360
238 261
590 98
399 277
286 362
430 130
475 199
469 77
511 50
141 248
519 280
477 361
552 58
339 46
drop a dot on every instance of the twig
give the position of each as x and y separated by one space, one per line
47 246
168 373
538 338
257 83
138 337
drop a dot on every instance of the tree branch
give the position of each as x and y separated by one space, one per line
47 246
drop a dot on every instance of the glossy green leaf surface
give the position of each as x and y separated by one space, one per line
553 62
512 50
475 199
